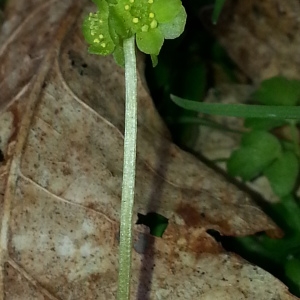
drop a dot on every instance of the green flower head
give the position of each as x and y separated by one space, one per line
151 21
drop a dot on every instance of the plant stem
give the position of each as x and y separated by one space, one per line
295 136
128 170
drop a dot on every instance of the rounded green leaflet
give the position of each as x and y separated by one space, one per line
165 10
283 173
247 163
96 30
175 27
150 42
278 91
261 139
258 150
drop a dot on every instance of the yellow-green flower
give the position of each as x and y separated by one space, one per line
151 21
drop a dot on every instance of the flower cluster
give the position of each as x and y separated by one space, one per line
151 21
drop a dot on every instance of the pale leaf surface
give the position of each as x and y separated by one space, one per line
61 125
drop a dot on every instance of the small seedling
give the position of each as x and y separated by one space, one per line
262 152
114 29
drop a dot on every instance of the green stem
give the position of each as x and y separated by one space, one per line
295 136
128 170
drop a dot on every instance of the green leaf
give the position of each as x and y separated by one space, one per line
150 21
165 10
156 222
240 110
96 31
98 3
245 163
205 122
173 29
150 42
263 124
108 1
286 213
118 52
278 91
261 139
154 60
120 20
259 149
119 56
217 10
292 271
283 173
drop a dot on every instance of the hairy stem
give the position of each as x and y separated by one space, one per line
128 170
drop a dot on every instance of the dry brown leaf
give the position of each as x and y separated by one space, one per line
61 127
262 37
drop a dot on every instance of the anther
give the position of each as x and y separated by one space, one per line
153 24
145 28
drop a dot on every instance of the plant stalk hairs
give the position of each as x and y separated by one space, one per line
113 29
